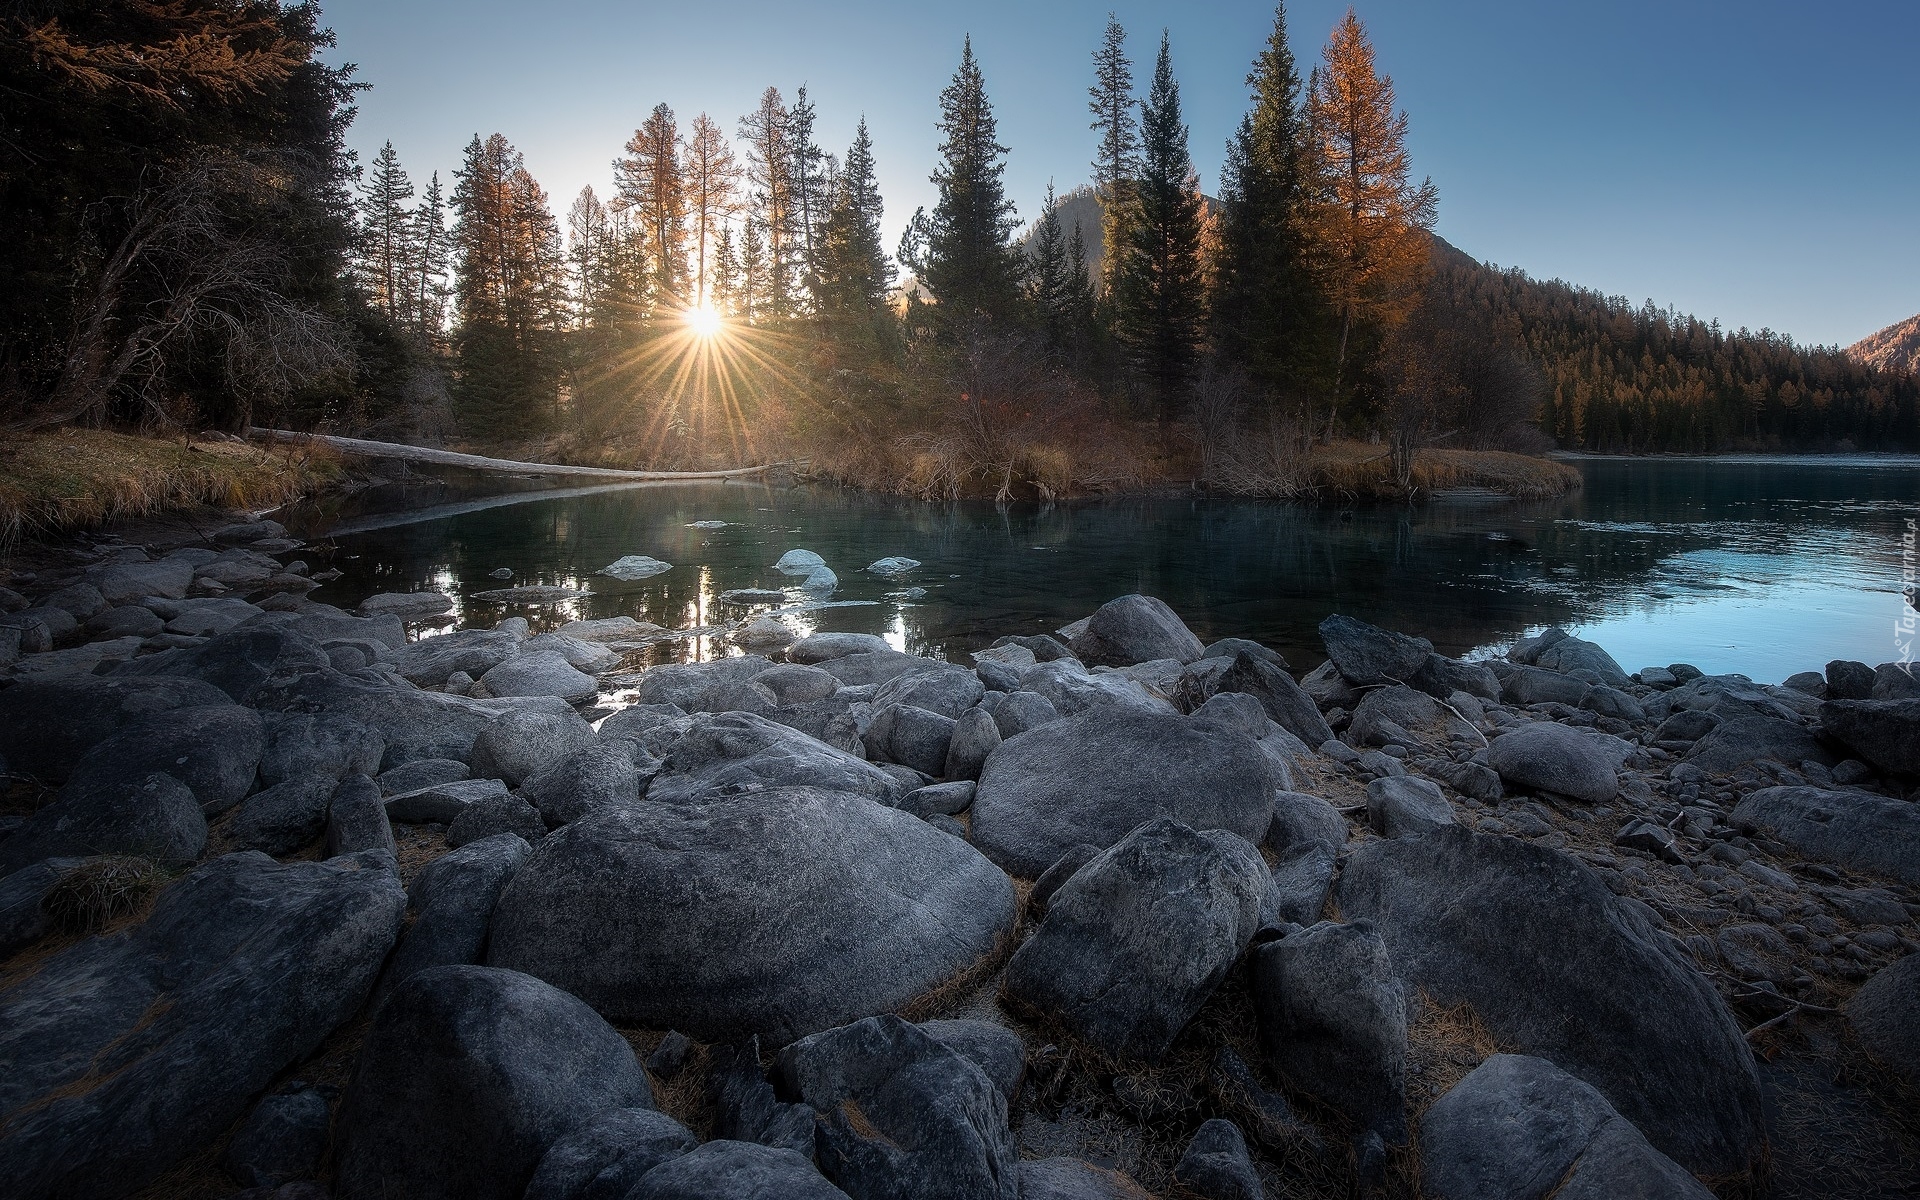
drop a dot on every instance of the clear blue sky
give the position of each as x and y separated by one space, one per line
1754 161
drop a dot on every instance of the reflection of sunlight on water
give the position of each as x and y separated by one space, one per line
896 633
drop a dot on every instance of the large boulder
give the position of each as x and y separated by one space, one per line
310 745
1740 740
1850 828
1558 759
943 689
131 1052
1366 654
900 1114
152 816
609 1155
1333 1021
452 903
1136 941
657 914
416 724
722 751
1571 654
1289 707
1520 1128
1388 716
1135 629
127 582
1071 688
686 684
46 726
540 673
823 646
1885 733
429 661
601 774
1885 1015
521 745
910 736
238 662
738 1171
215 750
1094 777
1558 966
467 1075
1523 685
1402 805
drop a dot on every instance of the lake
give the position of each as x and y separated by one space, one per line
1761 565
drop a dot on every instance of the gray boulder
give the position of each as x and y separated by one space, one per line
995 1049
408 606
1017 711
357 820
416 724
1136 941
299 745
1072 689
1895 681
823 646
285 817
490 816
452 903
428 662
1849 680
738 1171
466 1077
215 750
1536 685
1333 1022
901 1114
1558 759
131 1052
1233 647
422 772
685 684
1075 1179
1558 966
520 745
793 683
1301 880
1520 1128
1300 820
1054 877
1095 777
876 908
129 620
1612 702
128 582
1885 1016
1440 677
1135 629
1742 739
283 1139
1405 805
591 778
1366 654
1290 707
939 688
151 816
323 624
1215 1165
239 663
718 752
1402 716
975 737
873 666
47 726
1885 733
1850 828
910 736
540 673
938 799
441 803
608 1156
1571 654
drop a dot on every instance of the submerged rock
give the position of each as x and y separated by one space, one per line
657 914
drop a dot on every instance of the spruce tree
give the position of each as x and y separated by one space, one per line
1159 299
387 237
971 269
1049 277
432 263
770 171
809 170
1265 311
854 273
1117 161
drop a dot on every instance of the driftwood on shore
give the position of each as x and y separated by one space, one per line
478 462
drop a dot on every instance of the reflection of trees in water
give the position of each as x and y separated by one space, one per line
1265 571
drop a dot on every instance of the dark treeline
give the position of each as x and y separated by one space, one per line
1639 379
199 250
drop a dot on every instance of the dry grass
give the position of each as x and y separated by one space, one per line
1359 470
102 890
65 479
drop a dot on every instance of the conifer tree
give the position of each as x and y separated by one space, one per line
854 271
387 236
770 170
711 175
1159 301
1265 311
809 173
1117 160
1057 277
433 261
757 300
588 235
971 269
726 273
1370 223
650 182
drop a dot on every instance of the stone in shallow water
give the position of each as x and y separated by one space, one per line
635 566
531 594
893 566
657 914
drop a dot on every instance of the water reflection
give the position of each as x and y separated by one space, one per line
1761 566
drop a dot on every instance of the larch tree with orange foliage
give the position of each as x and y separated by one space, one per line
711 175
649 181
1370 223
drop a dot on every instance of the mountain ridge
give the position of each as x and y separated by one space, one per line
1895 348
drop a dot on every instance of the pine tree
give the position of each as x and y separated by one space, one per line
588 235
1117 161
711 175
1370 223
855 274
1049 276
810 172
726 273
433 262
756 287
770 170
650 182
971 269
1159 301
387 233
1265 310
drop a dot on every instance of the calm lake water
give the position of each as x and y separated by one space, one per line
1761 565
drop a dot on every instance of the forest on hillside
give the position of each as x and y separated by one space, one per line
200 250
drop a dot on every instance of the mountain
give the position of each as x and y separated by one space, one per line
1895 348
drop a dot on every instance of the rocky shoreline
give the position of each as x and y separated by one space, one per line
295 904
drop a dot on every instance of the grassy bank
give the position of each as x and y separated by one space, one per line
63 479
1361 470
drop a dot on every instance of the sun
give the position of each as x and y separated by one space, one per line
702 321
